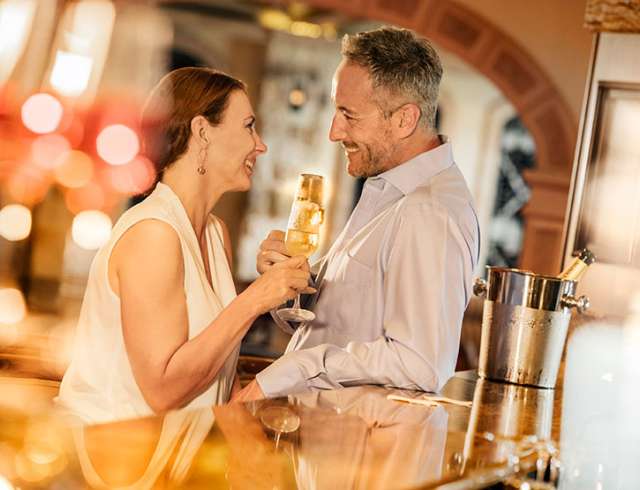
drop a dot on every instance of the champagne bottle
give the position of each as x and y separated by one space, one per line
577 267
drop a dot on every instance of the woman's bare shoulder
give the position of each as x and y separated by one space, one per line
150 232
147 242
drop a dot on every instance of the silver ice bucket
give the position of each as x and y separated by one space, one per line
524 325
516 412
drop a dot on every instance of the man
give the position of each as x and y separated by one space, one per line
393 288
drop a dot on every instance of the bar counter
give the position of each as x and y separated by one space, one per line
350 438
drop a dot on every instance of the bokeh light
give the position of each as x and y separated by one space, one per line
11 335
73 169
90 196
42 113
71 73
15 222
11 148
16 22
91 229
72 128
46 150
12 306
297 97
117 144
5 484
28 185
133 178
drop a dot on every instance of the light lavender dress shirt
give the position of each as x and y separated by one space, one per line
392 289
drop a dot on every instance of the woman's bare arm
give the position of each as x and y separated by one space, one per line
170 368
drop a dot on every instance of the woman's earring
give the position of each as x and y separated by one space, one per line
203 156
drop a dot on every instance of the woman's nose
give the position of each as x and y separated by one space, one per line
260 146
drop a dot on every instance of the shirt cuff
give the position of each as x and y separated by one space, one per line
281 378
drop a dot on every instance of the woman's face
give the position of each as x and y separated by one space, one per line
235 145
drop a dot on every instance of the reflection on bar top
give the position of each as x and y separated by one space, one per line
349 438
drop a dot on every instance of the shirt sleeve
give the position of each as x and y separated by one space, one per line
426 289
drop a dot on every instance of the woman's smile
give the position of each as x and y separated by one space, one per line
249 163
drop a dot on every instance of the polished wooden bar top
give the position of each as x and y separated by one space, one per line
350 438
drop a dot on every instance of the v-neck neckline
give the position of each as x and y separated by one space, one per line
207 250
168 191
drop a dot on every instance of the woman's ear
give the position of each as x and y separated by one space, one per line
199 126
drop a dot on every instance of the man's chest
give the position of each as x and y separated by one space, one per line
358 256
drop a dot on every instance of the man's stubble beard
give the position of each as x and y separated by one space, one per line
376 162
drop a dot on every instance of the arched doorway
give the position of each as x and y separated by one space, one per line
524 83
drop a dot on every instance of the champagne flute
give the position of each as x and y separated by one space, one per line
280 419
303 233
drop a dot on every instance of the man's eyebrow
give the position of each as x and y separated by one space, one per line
345 109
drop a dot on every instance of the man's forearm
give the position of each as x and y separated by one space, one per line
382 362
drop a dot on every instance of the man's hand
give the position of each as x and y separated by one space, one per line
272 251
249 393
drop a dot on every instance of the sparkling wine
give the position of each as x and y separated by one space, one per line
301 243
304 228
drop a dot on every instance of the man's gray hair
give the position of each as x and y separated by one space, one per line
403 64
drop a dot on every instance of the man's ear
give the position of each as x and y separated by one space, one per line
406 119
199 126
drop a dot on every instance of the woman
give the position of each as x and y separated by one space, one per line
161 325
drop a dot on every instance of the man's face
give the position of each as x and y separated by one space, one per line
359 124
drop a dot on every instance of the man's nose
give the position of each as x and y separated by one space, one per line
336 132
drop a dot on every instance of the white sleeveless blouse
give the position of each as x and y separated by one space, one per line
99 385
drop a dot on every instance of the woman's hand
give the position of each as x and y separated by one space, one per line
280 283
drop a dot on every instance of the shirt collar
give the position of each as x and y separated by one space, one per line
413 173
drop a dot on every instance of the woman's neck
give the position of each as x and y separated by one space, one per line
195 194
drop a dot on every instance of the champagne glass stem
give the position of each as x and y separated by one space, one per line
296 303
277 439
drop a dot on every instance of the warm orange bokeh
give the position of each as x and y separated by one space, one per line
47 150
42 113
117 144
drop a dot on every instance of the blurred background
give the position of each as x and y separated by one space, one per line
74 74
